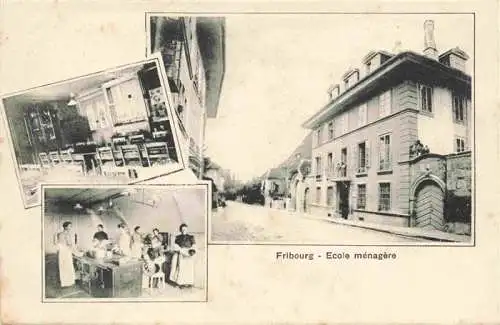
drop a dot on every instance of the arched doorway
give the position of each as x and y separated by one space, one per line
429 205
306 200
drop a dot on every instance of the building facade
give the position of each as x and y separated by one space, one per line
193 52
384 146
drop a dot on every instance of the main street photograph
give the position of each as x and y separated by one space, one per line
341 129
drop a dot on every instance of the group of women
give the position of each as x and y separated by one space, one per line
148 247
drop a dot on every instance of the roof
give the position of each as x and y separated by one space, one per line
394 69
303 151
293 162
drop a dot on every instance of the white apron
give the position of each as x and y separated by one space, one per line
66 268
124 244
182 269
136 249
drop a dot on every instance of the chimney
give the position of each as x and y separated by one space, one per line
430 50
398 47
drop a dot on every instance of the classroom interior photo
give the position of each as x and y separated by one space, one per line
125 242
112 127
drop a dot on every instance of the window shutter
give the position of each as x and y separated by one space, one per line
379 153
389 152
353 157
419 96
367 154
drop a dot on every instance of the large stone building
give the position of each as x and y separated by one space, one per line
193 51
393 144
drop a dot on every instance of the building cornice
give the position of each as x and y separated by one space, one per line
377 75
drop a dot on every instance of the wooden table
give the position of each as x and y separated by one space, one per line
106 279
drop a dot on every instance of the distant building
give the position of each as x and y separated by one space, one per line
283 180
393 144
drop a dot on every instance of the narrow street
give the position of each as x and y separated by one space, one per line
239 222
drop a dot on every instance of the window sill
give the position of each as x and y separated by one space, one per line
384 213
384 172
362 174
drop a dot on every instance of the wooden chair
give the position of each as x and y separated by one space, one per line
131 153
66 156
104 155
135 139
160 277
156 151
119 141
44 159
54 157
78 160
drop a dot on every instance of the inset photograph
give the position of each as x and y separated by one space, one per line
111 127
345 129
125 243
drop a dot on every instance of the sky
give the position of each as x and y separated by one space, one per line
279 68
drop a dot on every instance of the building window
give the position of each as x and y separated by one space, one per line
385 104
330 130
329 196
362 115
329 162
318 168
319 136
459 108
384 196
361 204
459 145
344 123
385 152
425 98
362 158
318 195
368 67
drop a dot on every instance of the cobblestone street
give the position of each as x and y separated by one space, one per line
244 223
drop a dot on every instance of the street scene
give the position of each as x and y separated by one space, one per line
239 222
346 150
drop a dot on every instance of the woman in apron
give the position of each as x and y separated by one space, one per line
137 243
183 260
157 241
65 245
124 241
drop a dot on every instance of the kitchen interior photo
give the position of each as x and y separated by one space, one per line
111 127
125 242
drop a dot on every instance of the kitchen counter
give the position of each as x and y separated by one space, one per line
113 262
107 278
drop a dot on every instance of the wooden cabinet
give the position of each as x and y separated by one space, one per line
107 280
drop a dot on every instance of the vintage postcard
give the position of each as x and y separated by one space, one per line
124 243
269 163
